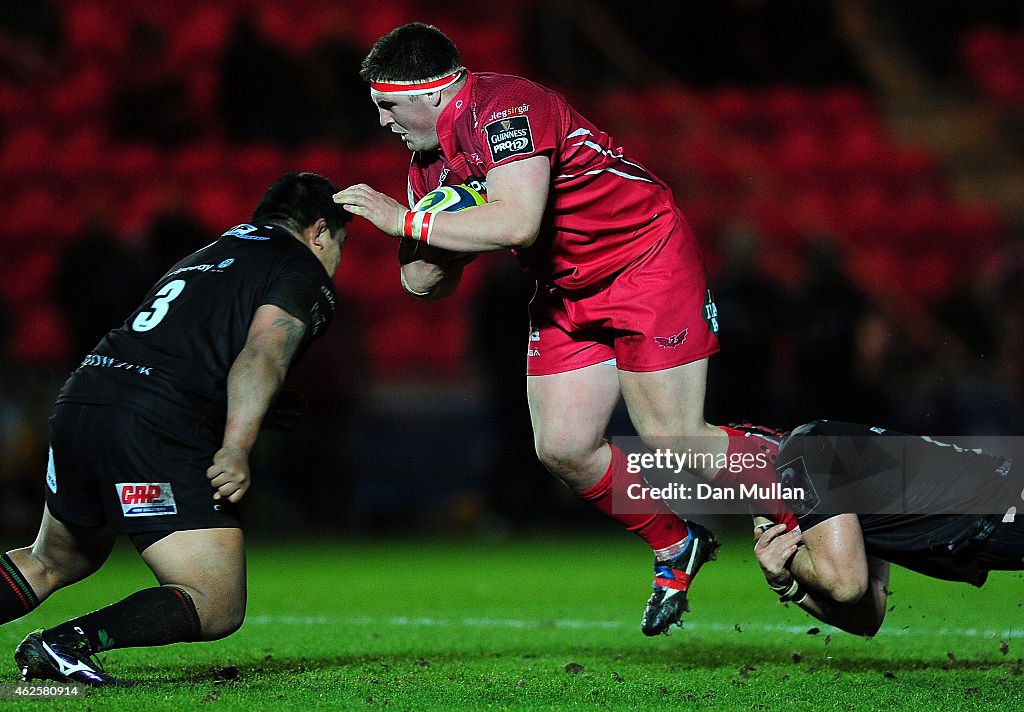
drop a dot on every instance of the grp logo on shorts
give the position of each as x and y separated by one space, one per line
146 499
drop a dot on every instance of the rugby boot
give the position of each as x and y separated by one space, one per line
39 659
672 580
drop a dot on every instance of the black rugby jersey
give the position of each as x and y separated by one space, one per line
170 359
921 502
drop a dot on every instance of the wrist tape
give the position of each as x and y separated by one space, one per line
418 224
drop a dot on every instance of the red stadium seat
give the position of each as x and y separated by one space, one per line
382 17
219 204
137 208
94 30
27 152
327 160
18 106
911 169
801 156
253 167
681 111
927 274
842 106
84 153
983 46
814 212
84 95
31 275
784 108
34 212
421 338
200 36
40 336
202 87
496 52
137 162
774 218
977 227
196 161
995 61
734 110
865 214
999 82
278 23
859 153
921 220
875 269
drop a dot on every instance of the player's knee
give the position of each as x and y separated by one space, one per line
223 620
561 456
220 607
232 621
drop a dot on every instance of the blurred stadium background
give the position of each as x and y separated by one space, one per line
854 170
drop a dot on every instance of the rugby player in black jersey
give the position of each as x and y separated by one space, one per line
151 435
868 497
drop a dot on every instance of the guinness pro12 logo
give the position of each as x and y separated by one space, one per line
509 137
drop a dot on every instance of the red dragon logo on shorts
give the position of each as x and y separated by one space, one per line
670 342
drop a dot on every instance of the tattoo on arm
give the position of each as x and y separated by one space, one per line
294 331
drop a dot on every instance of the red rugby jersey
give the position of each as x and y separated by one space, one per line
604 209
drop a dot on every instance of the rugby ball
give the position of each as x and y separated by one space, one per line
449 199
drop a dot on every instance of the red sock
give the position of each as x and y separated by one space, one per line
744 443
656 524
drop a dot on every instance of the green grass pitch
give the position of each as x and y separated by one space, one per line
546 623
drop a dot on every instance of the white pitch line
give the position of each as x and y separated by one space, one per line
692 626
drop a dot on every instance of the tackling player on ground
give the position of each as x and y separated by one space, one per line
151 436
872 497
621 306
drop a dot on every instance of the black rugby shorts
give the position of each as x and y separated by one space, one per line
1004 550
110 466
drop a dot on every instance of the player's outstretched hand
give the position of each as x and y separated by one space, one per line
229 474
774 548
386 213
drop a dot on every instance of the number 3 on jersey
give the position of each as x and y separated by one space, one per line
149 318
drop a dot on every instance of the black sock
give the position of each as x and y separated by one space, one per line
16 597
152 616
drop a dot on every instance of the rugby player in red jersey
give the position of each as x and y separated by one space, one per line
621 306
